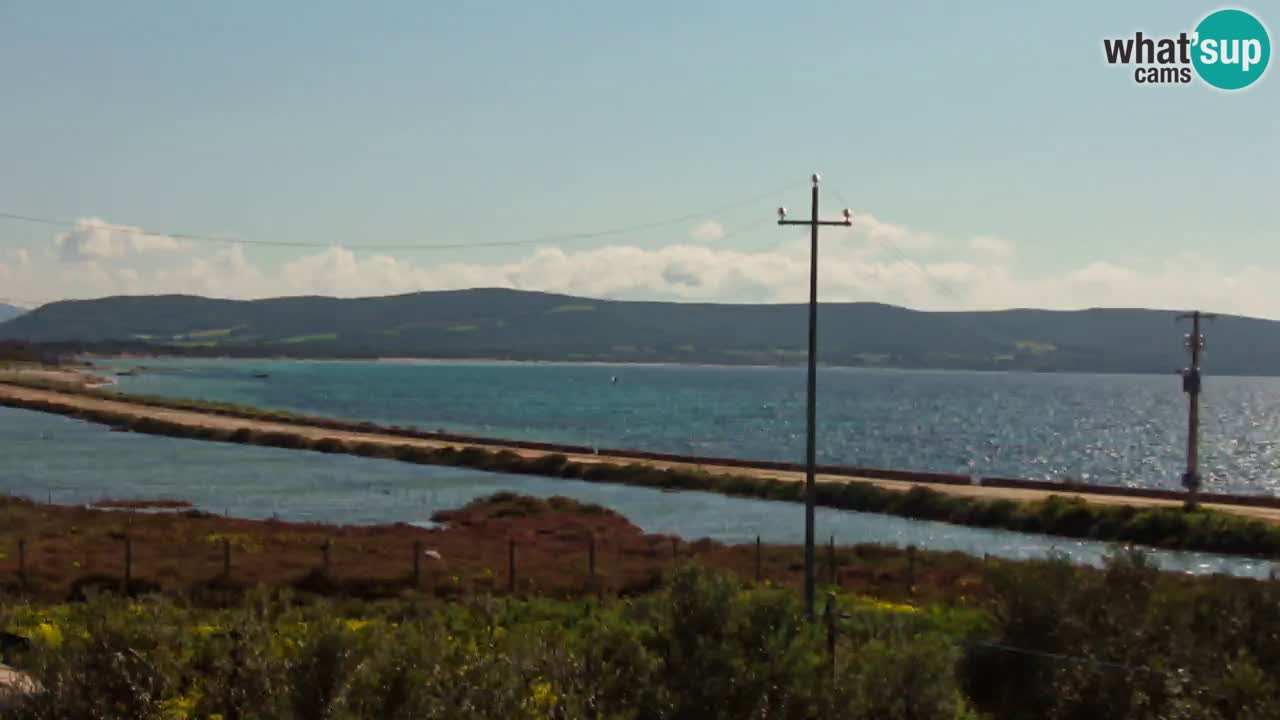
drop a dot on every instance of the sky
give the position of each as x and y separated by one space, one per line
990 156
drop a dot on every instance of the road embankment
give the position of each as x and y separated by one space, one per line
1228 524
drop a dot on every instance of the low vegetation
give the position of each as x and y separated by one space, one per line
1052 641
562 548
702 647
134 504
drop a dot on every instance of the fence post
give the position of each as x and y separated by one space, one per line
675 552
324 549
911 569
22 562
758 558
417 564
128 563
830 617
831 559
591 558
511 565
226 559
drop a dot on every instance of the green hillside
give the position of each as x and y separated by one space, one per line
509 324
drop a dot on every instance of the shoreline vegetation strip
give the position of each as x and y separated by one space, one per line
1170 528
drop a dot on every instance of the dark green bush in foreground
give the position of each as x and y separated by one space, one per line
1055 641
1127 643
703 649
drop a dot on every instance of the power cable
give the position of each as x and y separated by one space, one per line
566 237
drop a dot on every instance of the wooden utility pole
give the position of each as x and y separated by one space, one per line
810 483
1194 342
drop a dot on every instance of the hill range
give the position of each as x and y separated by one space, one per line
519 325
8 311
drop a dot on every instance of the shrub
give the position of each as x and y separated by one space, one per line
703 648
282 440
330 445
242 435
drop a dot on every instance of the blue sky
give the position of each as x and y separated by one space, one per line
993 156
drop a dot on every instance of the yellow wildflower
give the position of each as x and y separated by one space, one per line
356 625
891 607
541 700
178 708
46 634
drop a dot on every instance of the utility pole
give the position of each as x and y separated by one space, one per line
1194 342
810 482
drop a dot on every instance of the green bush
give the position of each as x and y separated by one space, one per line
1127 642
330 445
701 648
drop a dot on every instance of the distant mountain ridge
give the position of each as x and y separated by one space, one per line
519 325
8 312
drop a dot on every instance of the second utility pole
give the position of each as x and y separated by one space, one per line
810 481
1191 386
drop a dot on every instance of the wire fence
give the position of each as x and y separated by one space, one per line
422 562
115 555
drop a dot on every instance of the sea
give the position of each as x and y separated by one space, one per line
1127 430
1123 430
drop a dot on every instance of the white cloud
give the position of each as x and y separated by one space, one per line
873 261
707 231
991 247
898 237
94 239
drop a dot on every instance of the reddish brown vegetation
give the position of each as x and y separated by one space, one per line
68 548
113 503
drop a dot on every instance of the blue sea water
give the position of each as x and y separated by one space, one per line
1127 430
51 457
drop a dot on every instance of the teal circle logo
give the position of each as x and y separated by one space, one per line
1232 49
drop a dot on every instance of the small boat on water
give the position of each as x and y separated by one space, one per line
261 375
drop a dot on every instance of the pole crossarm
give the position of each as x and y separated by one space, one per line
810 486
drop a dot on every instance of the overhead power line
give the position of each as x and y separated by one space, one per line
546 239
